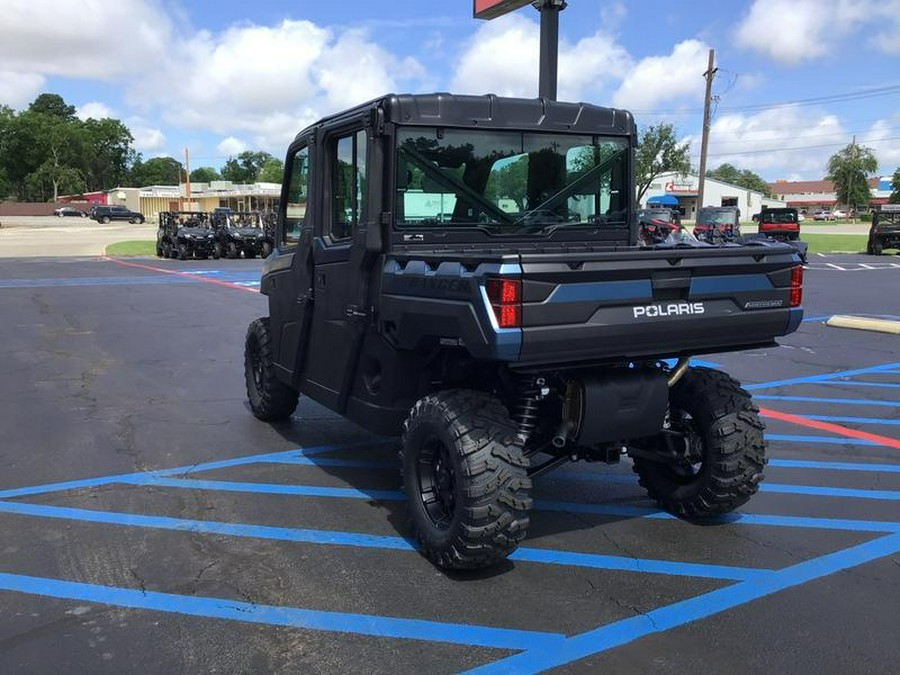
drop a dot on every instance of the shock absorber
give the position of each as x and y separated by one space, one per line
527 408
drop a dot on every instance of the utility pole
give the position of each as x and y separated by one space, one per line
704 144
549 67
187 177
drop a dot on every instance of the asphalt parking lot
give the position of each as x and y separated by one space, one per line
151 524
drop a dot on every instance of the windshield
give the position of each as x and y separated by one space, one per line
715 217
779 216
509 182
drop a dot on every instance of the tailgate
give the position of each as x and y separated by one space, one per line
657 303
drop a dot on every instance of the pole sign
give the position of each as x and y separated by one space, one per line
491 9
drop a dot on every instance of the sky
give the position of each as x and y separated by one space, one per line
796 79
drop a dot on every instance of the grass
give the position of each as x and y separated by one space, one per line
126 248
835 243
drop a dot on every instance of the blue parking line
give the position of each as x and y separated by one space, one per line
179 470
266 488
358 540
96 281
823 377
853 420
272 615
883 495
861 383
830 401
837 466
688 611
332 461
817 318
827 440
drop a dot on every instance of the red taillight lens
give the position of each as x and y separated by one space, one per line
796 286
505 296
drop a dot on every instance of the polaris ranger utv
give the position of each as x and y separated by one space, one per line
240 233
463 271
885 230
718 225
782 224
185 234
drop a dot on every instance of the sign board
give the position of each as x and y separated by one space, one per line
491 9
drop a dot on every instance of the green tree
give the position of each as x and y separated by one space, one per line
659 152
728 173
272 171
204 174
895 184
246 167
156 171
108 153
849 170
53 105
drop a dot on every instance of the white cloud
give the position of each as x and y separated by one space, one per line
658 79
18 89
94 109
793 31
884 139
147 139
504 55
775 143
231 146
90 39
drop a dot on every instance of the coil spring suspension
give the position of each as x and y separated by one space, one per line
527 409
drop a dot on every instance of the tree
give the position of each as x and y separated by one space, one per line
658 152
108 153
849 170
728 173
53 105
204 174
246 167
895 184
156 171
272 171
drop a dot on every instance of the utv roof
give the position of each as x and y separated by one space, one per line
494 112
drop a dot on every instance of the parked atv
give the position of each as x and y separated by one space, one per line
885 230
719 225
505 331
782 224
655 225
185 234
240 233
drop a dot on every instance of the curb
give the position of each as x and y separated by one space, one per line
864 323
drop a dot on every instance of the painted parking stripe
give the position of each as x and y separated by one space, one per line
178 470
827 440
293 617
860 383
829 401
266 488
816 318
73 282
836 429
853 420
688 611
178 273
398 495
883 495
823 377
836 466
359 540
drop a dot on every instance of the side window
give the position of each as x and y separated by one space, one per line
348 193
298 191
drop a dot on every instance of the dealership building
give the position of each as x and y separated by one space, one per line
681 191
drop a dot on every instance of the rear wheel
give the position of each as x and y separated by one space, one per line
266 249
270 399
232 250
217 251
466 479
717 433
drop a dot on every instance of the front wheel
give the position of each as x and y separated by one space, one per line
466 479
182 251
217 251
716 432
270 399
105 220
877 248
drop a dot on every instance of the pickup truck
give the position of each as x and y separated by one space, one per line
512 321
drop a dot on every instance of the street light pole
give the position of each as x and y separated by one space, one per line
549 67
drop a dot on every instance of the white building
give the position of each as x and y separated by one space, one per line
685 188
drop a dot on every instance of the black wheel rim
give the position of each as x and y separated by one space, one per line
437 483
693 450
255 364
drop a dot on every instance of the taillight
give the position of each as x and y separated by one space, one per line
796 285
505 296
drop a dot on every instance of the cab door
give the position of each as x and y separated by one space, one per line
287 276
337 252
